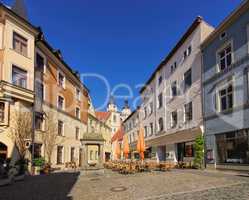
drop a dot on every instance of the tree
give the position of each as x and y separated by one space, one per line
21 130
50 136
199 152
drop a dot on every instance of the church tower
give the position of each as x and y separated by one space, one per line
112 107
126 111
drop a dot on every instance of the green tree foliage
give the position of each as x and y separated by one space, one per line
199 152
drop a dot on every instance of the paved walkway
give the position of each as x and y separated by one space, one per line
176 185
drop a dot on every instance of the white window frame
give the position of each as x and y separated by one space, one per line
222 47
225 87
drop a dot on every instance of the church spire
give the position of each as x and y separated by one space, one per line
20 9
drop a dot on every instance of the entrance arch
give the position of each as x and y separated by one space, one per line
3 151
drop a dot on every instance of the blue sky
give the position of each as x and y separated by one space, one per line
122 40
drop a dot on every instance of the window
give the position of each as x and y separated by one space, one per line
37 150
225 58
223 35
151 129
189 149
160 124
151 107
226 98
2 112
72 154
20 44
174 89
96 155
173 119
60 128
77 94
60 102
188 111
173 67
59 154
233 147
77 133
145 112
160 100
145 131
114 118
160 79
77 113
19 77
39 90
188 79
39 121
189 50
40 62
61 80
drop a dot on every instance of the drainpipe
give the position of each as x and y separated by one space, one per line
203 113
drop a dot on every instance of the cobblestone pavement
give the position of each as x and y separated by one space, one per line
174 185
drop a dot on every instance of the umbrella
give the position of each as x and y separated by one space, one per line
117 150
126 147
140 143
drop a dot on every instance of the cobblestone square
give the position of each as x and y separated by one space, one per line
177 185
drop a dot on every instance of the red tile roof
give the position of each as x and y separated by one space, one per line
103 116
118 135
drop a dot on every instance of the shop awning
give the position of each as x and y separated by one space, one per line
178 137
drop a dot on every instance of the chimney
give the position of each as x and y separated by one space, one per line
20 9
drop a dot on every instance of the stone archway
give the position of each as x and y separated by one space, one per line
3 151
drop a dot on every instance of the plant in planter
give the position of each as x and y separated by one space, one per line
38 164
199 152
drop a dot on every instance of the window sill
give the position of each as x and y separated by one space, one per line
26 56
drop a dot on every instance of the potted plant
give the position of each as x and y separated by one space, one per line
38 165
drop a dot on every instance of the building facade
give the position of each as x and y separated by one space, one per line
131 129
171 109
17 65
225 91
35 79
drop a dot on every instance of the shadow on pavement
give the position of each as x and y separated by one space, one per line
45 187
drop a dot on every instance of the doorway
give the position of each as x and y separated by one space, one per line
3 151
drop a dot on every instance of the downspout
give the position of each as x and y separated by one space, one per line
203 109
